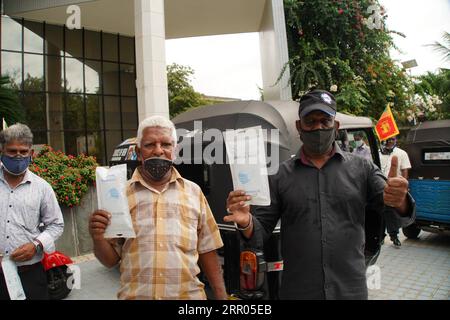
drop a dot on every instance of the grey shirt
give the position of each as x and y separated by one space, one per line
322 215
22 209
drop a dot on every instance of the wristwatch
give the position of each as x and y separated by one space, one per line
38 246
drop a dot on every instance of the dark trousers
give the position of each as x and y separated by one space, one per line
391 230
34 283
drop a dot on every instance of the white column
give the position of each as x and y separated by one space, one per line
274 52
151 82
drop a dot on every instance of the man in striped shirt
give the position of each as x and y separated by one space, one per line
175 229
30 217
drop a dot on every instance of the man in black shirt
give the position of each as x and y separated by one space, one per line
321 196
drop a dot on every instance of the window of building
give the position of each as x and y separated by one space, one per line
12 67
75 100
33 40
54 40
33 71
11 34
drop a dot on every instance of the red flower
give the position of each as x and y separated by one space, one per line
67 198
340 11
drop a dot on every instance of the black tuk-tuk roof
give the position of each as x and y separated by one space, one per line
425 141
236 115
259 109
271 111
429 131
279 114
276 114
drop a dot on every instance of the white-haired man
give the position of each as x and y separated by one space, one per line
175 229
26 201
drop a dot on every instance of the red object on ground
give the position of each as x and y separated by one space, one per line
55 259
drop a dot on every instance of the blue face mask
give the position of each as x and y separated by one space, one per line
15 165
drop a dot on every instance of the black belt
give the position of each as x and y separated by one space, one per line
25 268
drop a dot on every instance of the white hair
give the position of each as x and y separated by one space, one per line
156 121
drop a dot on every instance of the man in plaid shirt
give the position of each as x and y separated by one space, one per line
175 229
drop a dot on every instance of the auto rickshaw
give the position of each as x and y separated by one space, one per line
428 147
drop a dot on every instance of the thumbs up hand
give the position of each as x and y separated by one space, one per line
396 188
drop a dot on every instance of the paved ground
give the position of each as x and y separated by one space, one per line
97 281
419 270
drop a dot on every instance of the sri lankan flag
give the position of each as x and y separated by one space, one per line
386 126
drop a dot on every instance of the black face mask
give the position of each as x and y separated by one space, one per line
157 168
318 141
386 151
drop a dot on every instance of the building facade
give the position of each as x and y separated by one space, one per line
85 89
77 87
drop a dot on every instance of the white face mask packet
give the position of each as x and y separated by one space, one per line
111 197
12 279
247 160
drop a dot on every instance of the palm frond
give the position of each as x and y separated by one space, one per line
442 48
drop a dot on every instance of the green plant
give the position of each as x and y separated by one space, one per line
70 176
444 47
334 46
182 95
429 87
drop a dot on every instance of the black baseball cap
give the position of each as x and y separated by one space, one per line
317 100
